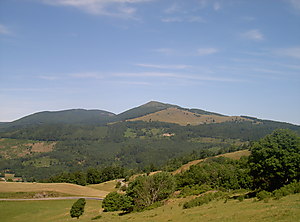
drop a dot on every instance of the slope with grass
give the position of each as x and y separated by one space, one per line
234 155
285 209
65 188
185 117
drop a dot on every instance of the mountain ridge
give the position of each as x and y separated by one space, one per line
139 113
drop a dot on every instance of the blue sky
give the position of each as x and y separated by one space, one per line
235 57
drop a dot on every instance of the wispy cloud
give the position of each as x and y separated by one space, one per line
173 9
86 75
172 19
51 78
177 76
295 4
163 66
4 30
217 6
293 52
114 8
253 34
206 51
183 19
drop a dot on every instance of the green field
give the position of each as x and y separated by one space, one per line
285 209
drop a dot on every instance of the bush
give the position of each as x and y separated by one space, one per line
78 208
286 190
204 199
263 195
115 202
146 190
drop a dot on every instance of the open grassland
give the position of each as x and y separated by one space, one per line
286 209
108 186
183 117
65 188
234 155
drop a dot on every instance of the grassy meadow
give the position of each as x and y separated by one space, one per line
65 188
285 209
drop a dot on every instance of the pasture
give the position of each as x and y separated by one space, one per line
65 188
286 209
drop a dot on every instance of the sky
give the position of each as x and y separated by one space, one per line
234 57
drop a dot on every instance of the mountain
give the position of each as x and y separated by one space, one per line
185 117
153 134
72 116
152 111
150 107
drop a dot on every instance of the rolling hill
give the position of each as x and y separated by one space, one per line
186 117
154 134
73 116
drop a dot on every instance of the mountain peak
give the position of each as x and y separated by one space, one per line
154 104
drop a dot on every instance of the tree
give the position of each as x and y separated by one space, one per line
115 201
275 160
146 190
78 208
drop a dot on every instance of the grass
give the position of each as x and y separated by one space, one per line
234 155
108 186
285 209
30 195
66 188
183 117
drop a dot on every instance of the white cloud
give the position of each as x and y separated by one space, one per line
206 51
253 34
114 8
4 30
48 77
86 75
295 4
290 52
175 76
183 19
163 66
173 8
217 6
172 19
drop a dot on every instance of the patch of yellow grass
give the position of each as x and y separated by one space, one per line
183 117
234 155
66 188
108 186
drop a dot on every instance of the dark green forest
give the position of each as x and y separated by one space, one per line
133 145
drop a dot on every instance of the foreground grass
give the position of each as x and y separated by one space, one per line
285 209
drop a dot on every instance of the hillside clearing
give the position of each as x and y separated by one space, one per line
184 117
65 188
234 155
108 186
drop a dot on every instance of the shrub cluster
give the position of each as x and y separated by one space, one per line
291 188
204 199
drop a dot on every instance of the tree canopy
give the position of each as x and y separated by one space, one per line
78 208
275 160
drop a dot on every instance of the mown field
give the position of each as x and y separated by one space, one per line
65 188
285 209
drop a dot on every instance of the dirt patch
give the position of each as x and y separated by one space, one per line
42 147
